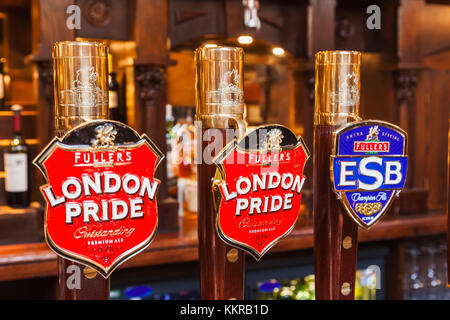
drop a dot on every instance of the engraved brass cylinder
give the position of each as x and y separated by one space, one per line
80 72
337 87
219 87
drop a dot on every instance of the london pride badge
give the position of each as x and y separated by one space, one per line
100 194
257 188
369 165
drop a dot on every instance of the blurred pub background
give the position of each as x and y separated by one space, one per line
405 80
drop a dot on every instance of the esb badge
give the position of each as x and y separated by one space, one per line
257 188
100 194
369 165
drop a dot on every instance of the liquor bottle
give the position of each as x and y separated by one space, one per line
185 142
184 135
113 94
170 120
2 83
268 290
140 292
16 166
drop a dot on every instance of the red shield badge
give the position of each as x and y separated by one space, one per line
257 188
101 194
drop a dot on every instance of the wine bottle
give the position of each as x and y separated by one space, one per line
123 98
113 93
114 112
16 165
2 83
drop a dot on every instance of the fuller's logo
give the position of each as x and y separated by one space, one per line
369 165
101 194
257 188
372 143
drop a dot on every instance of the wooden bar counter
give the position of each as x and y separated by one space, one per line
34 260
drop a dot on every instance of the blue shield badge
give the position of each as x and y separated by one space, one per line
369 165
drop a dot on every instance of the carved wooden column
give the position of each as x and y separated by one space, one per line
46 111
407 103
150 93
406 115
321 18
46 14
321 33
49 27
46 104
321 36
405 93
303 92
152 57
304 102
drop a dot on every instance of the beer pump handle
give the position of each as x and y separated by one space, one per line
219 113
335 234
75 63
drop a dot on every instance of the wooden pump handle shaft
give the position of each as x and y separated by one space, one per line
220 109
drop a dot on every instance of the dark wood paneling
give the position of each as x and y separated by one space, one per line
409 37
14 4
271 15
282 23
436 26
152 58
49 26
321 23
377 92
189 19
395 266
21 225
104 19
436 140
295 28
18 20
149 30
351 30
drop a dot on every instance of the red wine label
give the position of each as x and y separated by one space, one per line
101 194
257 188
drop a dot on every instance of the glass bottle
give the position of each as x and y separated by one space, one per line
16 165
